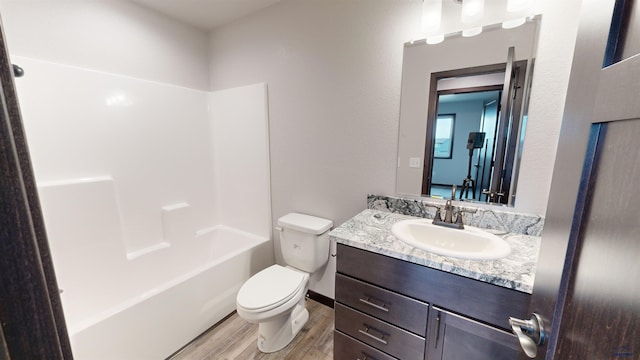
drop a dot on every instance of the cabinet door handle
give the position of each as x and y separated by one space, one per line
435 344
376 306
376 338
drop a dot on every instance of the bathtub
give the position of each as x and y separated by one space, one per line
158 321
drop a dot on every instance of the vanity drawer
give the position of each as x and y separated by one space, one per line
386 305
348 348
381 335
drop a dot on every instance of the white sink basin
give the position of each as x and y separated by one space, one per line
469 243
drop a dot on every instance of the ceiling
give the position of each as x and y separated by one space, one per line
206 14
472 96
209 14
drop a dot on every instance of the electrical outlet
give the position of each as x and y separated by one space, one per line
415 162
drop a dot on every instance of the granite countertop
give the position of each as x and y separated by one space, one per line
371 230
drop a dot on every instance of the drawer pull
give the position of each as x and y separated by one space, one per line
378 339
376 306
366 357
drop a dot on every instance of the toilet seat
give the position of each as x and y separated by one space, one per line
270 288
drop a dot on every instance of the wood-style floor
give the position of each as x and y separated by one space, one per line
235 338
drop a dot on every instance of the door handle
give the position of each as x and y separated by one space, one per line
531 333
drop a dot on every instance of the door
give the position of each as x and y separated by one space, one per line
499 190
455 337
485 155
32 323
601 309
514 126
587 291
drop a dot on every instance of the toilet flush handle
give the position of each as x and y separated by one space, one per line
279 228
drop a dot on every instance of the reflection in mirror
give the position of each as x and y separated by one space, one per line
475 95
442 147
463 113
477 111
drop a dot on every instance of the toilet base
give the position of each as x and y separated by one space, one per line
274 335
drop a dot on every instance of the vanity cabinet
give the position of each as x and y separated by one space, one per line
393 309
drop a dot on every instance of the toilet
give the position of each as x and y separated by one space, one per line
274 298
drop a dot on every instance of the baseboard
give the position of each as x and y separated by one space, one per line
324 300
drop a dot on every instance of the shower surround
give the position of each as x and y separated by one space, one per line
143 186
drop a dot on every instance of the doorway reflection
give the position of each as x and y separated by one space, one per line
471 151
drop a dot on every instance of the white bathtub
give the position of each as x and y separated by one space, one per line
157 322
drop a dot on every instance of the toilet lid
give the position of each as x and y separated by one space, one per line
269 288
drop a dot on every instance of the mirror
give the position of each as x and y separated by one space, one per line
463 114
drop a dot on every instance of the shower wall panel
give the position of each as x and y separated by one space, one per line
240 137
151 138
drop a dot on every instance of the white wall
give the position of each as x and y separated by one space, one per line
333 69
556 42
334 73
109 35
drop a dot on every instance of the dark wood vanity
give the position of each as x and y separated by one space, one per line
388 308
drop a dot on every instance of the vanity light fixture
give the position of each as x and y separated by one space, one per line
472 10
516 6
435 39
472 31
431 15
510 24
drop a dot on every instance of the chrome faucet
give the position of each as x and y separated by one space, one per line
449 213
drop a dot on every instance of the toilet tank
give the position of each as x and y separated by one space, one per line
304 241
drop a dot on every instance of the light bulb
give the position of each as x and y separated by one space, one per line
472 31
435 39
431 15
472 10
510 24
